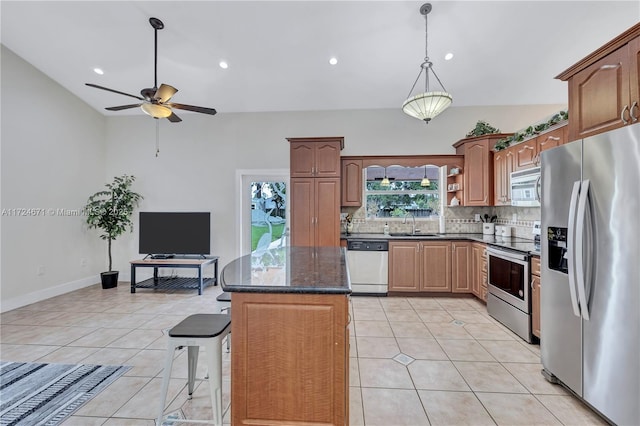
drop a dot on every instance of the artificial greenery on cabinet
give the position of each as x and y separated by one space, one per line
531 131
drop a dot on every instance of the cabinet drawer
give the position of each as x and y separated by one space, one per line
535 266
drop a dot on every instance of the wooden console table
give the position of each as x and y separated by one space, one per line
175 282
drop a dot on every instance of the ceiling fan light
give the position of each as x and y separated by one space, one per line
156 110
426 106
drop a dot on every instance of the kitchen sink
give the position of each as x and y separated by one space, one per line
409 234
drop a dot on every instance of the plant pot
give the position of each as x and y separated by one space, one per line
109 279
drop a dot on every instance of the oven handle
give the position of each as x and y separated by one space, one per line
507 255
580 281
571 248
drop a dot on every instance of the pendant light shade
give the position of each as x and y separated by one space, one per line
425 181
425 106
156 110
385 180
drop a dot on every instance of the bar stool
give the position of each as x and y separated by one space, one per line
197 330
225 298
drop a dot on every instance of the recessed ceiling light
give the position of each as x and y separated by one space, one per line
224 65
98 71
333 61
448 56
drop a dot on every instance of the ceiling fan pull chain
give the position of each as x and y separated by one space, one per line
157 137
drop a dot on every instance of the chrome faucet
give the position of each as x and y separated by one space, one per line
413 227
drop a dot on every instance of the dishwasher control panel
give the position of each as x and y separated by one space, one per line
368 245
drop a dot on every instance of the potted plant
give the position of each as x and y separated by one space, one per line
110 211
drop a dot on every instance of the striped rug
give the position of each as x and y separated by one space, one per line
45 394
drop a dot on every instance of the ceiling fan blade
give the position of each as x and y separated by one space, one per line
174 118
114 91
203 110
164 93
121 107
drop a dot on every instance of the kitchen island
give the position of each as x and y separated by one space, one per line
290 342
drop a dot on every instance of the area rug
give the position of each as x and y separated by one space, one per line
46 394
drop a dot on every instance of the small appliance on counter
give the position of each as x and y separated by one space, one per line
507 231
536 231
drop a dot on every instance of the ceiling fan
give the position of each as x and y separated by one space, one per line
155 100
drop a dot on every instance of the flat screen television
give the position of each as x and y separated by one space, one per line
170 233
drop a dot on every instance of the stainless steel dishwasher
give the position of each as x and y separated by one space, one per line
368 262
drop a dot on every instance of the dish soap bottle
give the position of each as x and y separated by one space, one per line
386 229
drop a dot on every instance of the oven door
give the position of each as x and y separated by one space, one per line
509 277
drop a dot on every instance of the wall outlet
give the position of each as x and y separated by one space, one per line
40 270
514 217
477 217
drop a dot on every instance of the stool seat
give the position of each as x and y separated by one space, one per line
201 326
224 297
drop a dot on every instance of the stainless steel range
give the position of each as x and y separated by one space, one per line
509 299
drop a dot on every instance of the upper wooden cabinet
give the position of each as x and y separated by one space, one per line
478 172
315 157
502 168
525 155
604 91
553 138
351 182
315 212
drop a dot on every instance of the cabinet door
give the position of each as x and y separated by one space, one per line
302 159
476 269
526 154
551 139
503 166
461 267
435 257
535 305
302 196
478 173
634 78
352 183
598 94
327 159
404 266
327 212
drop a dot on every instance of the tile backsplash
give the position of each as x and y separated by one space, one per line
456 220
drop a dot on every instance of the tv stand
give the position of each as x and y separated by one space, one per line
175 282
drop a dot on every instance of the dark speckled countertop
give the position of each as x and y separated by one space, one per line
316 270
513 243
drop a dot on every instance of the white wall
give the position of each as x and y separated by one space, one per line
195 169
52 157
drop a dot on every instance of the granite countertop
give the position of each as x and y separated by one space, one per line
314 270
513 243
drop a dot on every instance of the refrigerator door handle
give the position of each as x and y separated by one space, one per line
571 264
579 252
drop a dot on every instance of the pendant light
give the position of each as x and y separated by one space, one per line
425 181
427 105
385 181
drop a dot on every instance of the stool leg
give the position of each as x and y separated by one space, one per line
214 363
166 375
192 356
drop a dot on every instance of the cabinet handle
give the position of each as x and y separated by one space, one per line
634 118
626 107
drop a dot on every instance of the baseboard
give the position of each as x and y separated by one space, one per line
40 295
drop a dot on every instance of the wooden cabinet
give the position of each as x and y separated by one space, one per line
604 88
315 157
351 182
553 138
479 270
525 155
455 188
290 359
478 168
535 296
502 168
419 266
461 267
315 191
315 212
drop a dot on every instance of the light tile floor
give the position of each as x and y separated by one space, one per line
414 361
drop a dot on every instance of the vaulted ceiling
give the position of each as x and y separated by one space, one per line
505 52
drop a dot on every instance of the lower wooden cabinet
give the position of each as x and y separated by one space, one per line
479 270
416 266
535 296
461 267
290 355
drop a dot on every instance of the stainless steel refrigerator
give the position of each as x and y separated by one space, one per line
590 284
